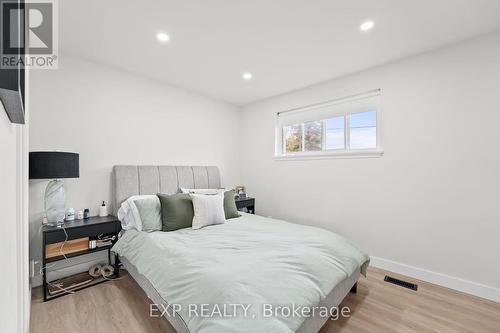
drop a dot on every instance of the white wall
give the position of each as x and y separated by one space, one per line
427 208
8 282
432 201
112 117
14 289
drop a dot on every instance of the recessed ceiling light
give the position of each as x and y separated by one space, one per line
247 76
368 25
163 37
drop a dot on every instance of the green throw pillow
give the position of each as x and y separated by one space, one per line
177 211
150 213
230 209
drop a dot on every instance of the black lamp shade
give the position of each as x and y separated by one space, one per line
54 165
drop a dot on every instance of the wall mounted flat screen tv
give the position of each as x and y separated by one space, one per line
12 78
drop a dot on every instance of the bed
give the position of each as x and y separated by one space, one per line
251 274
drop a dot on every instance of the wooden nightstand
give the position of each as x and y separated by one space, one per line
248 203
77 231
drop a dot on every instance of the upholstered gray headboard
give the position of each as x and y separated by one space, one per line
131 180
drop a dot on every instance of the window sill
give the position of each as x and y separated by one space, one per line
330 155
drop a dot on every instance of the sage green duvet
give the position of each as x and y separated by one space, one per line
259 263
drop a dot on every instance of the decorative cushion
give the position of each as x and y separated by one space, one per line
149 210
177 211
230 210
130 217
208 210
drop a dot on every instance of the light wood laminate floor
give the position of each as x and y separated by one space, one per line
378 307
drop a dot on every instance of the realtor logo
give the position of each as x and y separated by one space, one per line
29 34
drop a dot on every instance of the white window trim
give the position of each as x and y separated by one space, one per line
333 153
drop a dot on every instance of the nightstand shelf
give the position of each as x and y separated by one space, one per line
79 253
74 230
95 282
248 203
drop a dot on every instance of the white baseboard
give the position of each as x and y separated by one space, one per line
469 287
36 281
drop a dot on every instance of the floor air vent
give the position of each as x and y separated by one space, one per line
401 283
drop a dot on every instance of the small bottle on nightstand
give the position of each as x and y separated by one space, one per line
103 211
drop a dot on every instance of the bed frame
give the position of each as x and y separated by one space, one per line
131 180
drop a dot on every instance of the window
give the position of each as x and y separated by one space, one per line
312 135
293 138
334 133
347 126
363 127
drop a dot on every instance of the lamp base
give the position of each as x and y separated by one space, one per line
56 224
55 202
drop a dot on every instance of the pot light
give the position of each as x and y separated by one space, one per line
163 37
247 76
366 26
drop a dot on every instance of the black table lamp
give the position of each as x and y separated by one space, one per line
54 165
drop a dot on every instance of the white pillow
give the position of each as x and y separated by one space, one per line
203 190
129 215
208 210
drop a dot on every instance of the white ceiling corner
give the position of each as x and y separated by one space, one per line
285 44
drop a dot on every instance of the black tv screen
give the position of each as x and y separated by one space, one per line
12 79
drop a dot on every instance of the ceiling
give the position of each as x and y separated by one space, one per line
285 44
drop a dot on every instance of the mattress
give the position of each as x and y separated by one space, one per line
259 263
311 325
